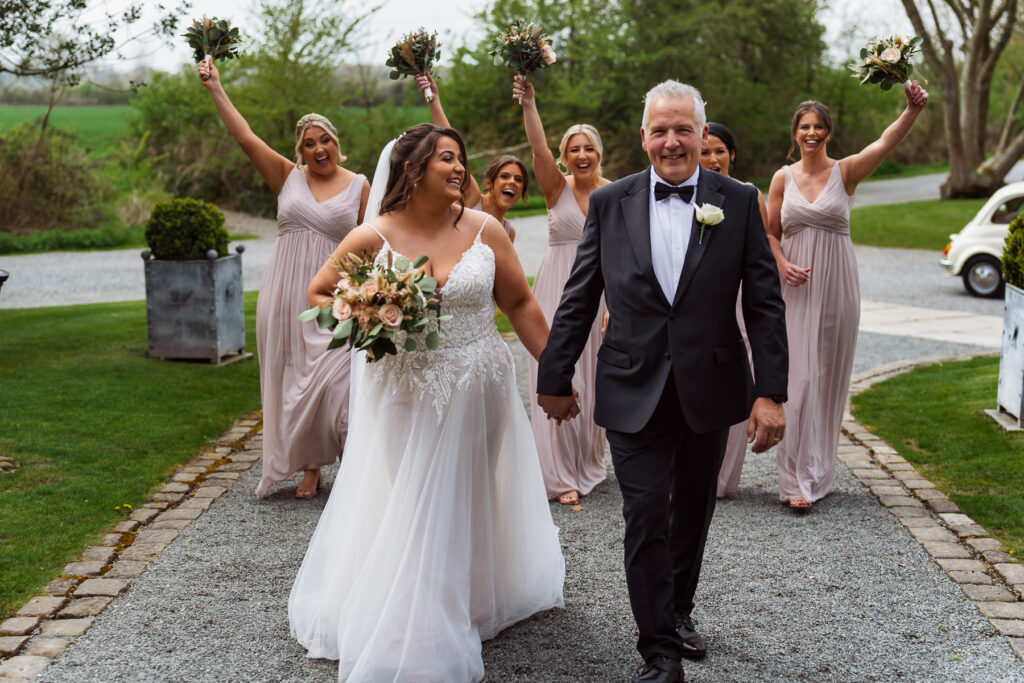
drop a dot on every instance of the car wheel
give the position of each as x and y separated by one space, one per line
983 276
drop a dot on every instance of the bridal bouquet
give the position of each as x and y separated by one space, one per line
523 48
886 61
414 55
372 303
212 39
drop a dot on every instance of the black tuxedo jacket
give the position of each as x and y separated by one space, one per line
696 336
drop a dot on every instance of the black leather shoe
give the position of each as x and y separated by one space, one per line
661 670
694 646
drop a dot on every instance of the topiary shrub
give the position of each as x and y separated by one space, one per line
185 229
1013 253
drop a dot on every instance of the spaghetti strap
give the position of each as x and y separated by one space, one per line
379 233
481 230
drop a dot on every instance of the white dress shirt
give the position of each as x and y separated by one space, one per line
671 225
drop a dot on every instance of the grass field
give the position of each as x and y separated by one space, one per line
934 417
95 424
99 126
913 225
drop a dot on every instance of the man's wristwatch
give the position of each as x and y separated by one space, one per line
778 398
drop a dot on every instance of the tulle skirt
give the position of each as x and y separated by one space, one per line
437 535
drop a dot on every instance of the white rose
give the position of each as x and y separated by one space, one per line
391 315
547 53
709 214
891 55
342 310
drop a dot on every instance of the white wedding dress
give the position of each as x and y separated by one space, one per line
437 534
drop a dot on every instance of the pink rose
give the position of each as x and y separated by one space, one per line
891 55
369 288
391 315
547 53
342 310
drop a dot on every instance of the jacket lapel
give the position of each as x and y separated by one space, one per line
707 193
636 210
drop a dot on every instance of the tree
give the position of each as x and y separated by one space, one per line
751 59
51 38
963 41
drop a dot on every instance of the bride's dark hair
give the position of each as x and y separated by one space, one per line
415 146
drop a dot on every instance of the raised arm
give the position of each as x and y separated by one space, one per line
361 240
857 167
792 274
438 118
549 177
272 166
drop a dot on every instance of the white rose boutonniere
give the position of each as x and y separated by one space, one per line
708 215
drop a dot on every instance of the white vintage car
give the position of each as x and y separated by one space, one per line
975 253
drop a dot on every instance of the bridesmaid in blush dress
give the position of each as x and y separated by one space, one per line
505 179
304 390
719 155
809 231
571 454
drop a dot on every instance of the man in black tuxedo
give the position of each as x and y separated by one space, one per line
672 371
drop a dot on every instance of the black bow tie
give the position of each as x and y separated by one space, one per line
663 191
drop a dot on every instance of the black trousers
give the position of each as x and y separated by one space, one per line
668 476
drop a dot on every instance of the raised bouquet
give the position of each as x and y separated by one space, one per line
414 55
372 303
886 61
212 39
523 48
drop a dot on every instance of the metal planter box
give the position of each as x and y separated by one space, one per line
1011 362
194 309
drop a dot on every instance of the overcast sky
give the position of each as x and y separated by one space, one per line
848 25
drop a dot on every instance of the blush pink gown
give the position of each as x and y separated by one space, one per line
822 317
304 388
571 454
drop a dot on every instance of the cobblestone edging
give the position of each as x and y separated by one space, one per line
992 579
47 624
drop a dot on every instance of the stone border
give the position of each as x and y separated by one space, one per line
47 624
990 578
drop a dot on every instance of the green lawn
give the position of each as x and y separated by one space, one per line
100 126
95 424
913 225
933 417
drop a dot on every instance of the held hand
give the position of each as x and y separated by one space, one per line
916 95
767 424
208 75
793 275
559 408
522 89
423 82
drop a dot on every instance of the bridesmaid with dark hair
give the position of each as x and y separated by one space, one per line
719 155
809 204
505 180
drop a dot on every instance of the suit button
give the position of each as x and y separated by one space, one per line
668 356
671 316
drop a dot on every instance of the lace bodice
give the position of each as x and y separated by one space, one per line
471 349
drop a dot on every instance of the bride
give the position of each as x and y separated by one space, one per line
437 534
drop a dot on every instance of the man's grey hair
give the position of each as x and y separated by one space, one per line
672 90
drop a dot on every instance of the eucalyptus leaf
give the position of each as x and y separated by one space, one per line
420 260
428 284
410 344
401 263
309 314
433 340
344 329
325 318
376 329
